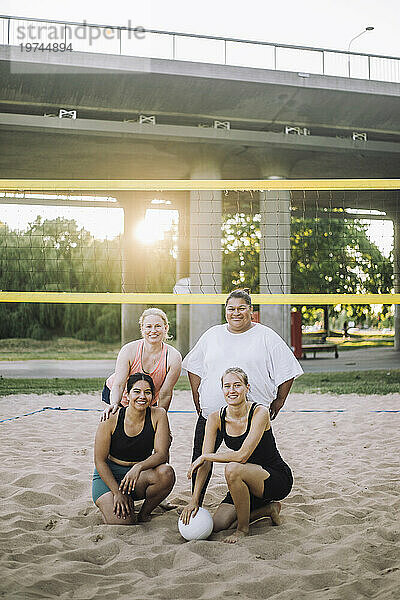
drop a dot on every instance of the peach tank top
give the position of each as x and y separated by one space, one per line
158 374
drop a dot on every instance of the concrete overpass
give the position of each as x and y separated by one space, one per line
109 92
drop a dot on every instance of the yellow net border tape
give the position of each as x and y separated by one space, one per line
156 299
157 185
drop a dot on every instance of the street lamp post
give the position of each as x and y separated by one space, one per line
370 28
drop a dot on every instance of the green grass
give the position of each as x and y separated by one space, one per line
351 382
183 383
57 348
54 385
73 349
60 386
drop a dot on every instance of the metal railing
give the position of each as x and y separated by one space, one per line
37 35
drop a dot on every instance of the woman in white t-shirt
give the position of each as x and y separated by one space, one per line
258 350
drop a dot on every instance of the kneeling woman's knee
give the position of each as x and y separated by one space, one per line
166 474
232 471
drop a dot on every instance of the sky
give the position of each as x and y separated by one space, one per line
316 23
319 23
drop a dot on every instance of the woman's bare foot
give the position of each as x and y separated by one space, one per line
166 505
143 518
275 509
235 537
272 509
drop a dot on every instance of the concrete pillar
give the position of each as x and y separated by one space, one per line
183 272
134 258
275 268
205 243
396 272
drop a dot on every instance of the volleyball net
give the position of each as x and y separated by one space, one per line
170 242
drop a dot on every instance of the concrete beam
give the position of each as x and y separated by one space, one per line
92 63
188 134
60 202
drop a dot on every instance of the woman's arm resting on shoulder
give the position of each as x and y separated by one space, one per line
195 381
121 375
165 395
283 391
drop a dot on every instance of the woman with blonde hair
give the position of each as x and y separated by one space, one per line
256 475
151 355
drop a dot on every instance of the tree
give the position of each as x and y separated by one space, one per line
55 255
240 251
327 256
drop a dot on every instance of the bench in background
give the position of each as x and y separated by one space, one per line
314 348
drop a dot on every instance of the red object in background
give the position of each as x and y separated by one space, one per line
295 333
255 317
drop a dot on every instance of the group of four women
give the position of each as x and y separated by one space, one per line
133 439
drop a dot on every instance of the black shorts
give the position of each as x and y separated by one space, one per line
105 394
276 487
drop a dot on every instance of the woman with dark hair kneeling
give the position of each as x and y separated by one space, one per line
130 452
255 472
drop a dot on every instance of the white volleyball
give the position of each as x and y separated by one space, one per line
199 527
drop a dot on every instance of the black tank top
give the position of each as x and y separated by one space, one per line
132 448
265 453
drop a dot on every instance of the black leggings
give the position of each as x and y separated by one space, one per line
198 450
105 394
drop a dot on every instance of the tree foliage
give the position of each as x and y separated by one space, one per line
336 256
240 251
327 256
55 255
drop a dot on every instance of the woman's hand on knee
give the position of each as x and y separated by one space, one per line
190 510
122 505
128 483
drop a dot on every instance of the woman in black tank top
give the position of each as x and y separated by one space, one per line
130 452
256 475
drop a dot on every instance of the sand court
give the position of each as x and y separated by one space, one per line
339 539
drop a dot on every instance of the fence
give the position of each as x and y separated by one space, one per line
150 43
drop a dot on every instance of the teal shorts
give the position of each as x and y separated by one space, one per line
99 487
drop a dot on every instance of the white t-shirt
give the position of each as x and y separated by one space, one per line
259 351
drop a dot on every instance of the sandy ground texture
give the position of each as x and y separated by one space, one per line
339 539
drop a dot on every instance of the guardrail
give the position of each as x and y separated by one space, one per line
35 35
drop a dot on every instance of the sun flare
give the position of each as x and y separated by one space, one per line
155 224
